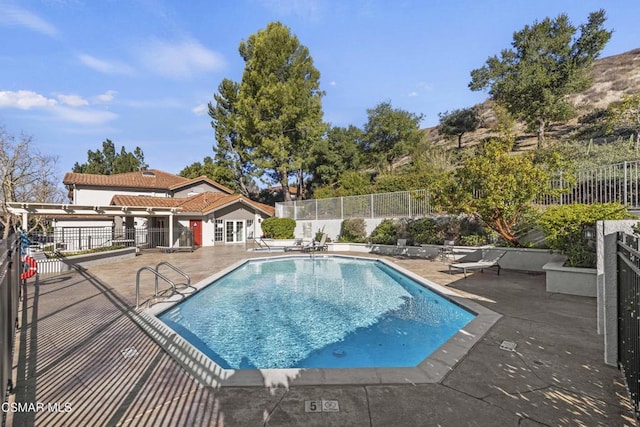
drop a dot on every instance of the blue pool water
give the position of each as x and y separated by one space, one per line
327 312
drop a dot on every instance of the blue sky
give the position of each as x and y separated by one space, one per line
140 72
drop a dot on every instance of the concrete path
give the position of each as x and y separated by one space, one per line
81 360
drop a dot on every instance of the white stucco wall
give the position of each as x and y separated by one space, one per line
329 226
94 196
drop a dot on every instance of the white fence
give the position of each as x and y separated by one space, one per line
402 204
618 182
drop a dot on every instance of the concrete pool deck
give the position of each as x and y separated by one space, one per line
83 357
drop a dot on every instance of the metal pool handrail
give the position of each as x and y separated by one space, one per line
157 274
174 268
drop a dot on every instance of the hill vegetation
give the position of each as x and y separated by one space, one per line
547 94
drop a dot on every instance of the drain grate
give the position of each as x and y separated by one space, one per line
129 352
508 346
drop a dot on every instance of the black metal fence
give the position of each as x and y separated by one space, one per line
10 270
76 239
629 314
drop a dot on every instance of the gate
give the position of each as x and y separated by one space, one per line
10 269
629 314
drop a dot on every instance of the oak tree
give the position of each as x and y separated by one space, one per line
546 62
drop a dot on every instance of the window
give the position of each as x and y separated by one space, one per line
218 235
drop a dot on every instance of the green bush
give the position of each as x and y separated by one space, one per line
279 228
563 227
353 230
423 230
474 240
384 233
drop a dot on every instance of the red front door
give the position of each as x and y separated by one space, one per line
196 229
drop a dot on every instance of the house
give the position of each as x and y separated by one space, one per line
152 208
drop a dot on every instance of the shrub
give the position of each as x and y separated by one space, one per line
563 227
474 240
423 230
279 228
384 233
353 230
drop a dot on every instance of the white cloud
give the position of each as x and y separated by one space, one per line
103 66
68 109
16 16
412 94
24 100
332 83
180 60
106 97
200 110
73 100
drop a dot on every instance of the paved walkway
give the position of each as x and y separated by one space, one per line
76 325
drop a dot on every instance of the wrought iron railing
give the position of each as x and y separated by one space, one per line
10 270
629 314
76 239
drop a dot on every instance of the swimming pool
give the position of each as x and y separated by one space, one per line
320 312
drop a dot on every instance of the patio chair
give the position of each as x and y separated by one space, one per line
317 246
490 261
447 251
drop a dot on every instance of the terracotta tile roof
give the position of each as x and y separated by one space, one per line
201 203
152 178
154 202
205 179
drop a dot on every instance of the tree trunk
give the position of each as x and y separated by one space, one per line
541 134
505 232
460 141
284 182
300 184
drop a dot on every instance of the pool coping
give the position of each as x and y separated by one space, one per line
431 370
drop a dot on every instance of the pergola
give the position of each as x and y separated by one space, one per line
26 209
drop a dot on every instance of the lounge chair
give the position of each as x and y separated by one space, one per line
297 246
490 261
317 246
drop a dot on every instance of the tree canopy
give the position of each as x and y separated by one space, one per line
458 122
390 133
497 187
26 175
279 108
339 151
626 114
108 162
546 62
232 154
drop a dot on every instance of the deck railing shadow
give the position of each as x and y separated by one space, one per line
85 370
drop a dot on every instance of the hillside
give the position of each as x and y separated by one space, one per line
612 76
